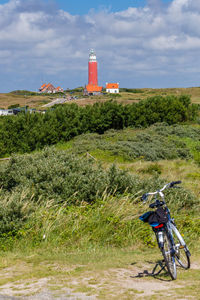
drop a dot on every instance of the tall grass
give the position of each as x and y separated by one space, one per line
55 199
110 222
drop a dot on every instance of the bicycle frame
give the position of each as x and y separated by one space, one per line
171 227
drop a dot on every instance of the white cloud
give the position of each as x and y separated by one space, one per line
156 41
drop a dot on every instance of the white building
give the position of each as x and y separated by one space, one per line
6 112
112 88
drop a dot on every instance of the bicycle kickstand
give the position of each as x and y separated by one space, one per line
161 264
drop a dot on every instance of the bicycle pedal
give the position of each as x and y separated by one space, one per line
181 247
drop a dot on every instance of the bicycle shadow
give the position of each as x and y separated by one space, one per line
158 272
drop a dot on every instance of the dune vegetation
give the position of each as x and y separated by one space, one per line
71 189
80 194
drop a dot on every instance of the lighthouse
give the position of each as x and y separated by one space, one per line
92 68
92 88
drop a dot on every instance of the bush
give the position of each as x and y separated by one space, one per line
75 202
61 177
27 132
157 142
24 93
169 109
13 106
66 178
16 209
134 91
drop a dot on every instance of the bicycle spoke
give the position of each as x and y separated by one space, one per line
168 257
181 253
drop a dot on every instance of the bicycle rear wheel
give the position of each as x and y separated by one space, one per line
182 253
168 257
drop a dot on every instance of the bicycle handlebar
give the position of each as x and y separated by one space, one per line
174 182
170 185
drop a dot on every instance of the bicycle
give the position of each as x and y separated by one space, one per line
169 239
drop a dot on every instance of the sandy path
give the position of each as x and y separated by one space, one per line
116 283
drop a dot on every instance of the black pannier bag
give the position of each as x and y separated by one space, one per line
145 217
159 216
162 215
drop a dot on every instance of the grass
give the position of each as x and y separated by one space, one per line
125 97
106 273
32 101
90 269
186 171
129 97
107 156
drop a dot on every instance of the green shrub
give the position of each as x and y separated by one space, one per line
66 178
77 203
154 143
56 175
24 93
134 91
27 132
16 209
13 106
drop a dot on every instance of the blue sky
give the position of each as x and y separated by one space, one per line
82 7
153 43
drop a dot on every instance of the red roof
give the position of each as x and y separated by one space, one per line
112 85
93 88
49 85
43 86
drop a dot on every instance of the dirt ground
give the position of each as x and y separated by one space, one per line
80 283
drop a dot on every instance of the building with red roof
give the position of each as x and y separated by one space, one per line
112 88
49 88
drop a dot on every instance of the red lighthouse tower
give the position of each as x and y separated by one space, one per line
92 87
92 68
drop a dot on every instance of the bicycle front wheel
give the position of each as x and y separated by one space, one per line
168 257
182 253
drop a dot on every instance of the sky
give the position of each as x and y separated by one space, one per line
82 7
152 43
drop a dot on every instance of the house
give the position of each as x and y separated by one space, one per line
112 88
49 88
6 112
92 89
58 90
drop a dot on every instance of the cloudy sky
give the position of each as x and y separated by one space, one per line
153 43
